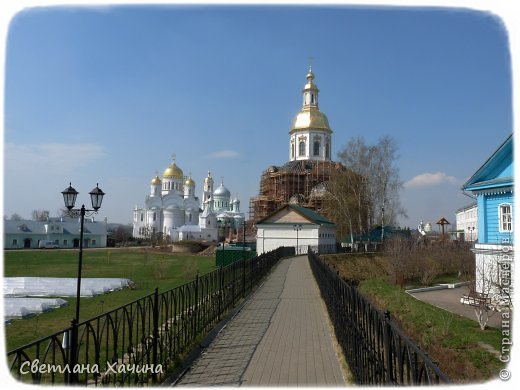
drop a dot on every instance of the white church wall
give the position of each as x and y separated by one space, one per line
175 206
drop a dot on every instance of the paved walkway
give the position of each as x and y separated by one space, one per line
449 299
280 338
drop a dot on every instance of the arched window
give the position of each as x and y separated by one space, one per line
301 151
292 149
316 149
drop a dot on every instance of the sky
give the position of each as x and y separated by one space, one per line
108 94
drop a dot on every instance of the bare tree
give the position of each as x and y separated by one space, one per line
15 217
399 252
342 202
121 234
386 181
492 291
378 191
359 157
485 273
40 215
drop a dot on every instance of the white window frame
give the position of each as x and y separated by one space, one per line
316 146
301 148
501 215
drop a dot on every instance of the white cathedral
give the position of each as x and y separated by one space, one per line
172 209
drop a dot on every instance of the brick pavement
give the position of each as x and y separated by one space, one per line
280 338
449 299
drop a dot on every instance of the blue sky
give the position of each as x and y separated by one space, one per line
108 94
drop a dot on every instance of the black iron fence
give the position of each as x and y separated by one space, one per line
137 343
377 351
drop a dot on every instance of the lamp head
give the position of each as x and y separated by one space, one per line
69 196
96 196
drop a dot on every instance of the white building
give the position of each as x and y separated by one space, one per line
298 227
172 208
467 222
62 232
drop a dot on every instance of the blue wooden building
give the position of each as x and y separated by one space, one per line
493 187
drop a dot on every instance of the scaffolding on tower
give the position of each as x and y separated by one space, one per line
300 182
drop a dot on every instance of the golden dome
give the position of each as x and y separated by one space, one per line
156 180
310 119
189 182
173 171
310 84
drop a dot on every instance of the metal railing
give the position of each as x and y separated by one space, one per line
137 343
376 350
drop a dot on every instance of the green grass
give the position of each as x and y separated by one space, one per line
450 339
147 269
440 279
453 341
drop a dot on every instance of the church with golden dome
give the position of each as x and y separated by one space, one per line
172 209
302 179
310 135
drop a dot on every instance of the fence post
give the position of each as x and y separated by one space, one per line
243 278
234 283
155 333
220 292
195 306
74 351
388 348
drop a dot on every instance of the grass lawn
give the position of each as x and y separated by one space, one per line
146 268
456 343
451 340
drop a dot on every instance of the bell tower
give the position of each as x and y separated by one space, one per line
310 135
208 188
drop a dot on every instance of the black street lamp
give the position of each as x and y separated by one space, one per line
222 224
297 227
69 197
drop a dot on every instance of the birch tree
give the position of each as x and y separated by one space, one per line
342 202
378 191
360 158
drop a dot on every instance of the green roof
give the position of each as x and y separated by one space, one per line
311 214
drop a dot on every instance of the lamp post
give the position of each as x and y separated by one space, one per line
69 197
222 224
297 227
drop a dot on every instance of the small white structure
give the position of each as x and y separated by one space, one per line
296 226
467 222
